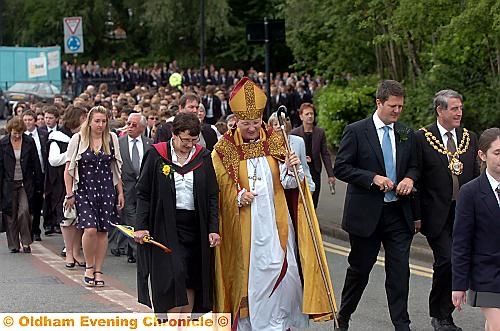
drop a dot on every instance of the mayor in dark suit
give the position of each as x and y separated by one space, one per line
476 248
445 164
133 147
376 159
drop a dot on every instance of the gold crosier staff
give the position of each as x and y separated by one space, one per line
331 298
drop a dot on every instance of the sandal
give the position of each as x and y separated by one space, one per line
89 281
98 283
80 264
70 265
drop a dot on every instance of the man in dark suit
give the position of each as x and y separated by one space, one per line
277 99
316 149
212 105
41 138
224 104
376 159
189 103
132 159
437 191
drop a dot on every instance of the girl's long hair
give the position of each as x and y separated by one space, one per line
85 128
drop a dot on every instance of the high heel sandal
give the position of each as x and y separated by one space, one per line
98 283
71 265
89 281
80 264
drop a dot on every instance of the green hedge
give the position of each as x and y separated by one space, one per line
338 106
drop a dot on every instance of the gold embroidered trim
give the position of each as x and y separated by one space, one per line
231 153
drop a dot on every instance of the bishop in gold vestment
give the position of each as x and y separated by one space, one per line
267 272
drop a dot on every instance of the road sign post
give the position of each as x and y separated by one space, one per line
73 35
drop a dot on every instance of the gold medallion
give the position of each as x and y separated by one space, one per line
456 167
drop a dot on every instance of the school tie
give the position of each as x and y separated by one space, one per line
390 169
452 148
135 157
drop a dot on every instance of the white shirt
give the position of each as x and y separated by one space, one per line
140 147
210 111
379 125
183 184
49 130
494 184
444 137
34 135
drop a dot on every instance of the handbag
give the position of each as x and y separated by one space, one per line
69 213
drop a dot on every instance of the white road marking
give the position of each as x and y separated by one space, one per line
414 268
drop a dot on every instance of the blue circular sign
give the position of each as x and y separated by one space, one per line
74 43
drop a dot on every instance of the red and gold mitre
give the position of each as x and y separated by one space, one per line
247 100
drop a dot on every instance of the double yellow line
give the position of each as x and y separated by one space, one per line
414 269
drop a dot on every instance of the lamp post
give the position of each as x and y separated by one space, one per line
267 43
202 34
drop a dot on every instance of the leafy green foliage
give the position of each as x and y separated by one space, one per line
339 106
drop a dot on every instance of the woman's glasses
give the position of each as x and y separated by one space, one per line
188 140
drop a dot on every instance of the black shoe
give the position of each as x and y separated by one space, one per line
14 250
115 251
26 249
48 232
131 259
63 252
444 324
36 237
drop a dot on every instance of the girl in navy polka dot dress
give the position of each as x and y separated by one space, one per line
92 179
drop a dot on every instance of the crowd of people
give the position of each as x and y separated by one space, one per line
288 88
233 198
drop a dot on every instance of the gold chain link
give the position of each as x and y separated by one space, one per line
438 145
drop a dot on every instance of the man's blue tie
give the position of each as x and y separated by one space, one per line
390 169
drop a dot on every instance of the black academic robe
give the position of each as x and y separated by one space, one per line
156 206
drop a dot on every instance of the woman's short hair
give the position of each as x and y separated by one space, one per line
186 122
16 123
274 118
